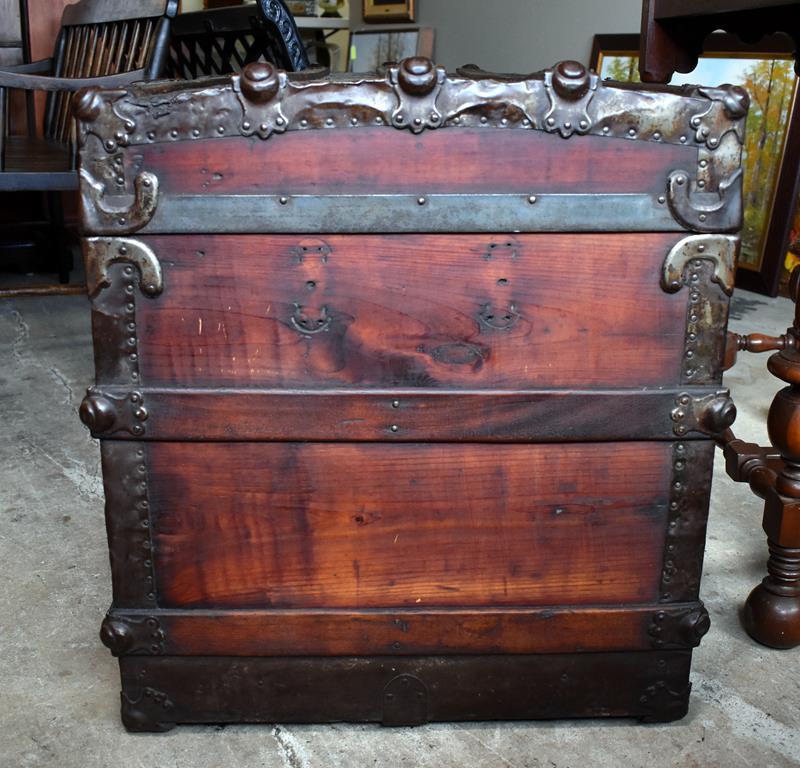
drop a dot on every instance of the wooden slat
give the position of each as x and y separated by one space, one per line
404 312
409 632
406 415
409 525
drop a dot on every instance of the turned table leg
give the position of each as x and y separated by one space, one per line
772 611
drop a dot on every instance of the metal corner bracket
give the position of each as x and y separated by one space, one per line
101 252
721 250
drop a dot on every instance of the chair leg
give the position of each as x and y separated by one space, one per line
59 236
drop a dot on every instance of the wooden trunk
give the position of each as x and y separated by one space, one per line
407 387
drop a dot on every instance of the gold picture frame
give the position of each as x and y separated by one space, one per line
388 10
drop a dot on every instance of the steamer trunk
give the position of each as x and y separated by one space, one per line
407 388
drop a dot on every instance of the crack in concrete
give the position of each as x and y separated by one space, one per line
87 483
23 335
70 401
292 754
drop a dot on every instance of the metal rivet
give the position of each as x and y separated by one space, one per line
121 221
702 217
220 129
712 142
701 247
683 139
264 127
196 132
680 180
532 199
583 124
133 356
123 250
434 117
657 136
484 119
303 123
526 122
400 118
394 427
379 120
284 200
606 129
421 200
120 180
110 145
551 121
395 403
417 121
567 125
246 125
662 199
631 131
174 134
700 183
703 163
504 121
353 121
130 307
151 135
280 121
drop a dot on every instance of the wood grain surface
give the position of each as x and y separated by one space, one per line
459 311
379 161
304 525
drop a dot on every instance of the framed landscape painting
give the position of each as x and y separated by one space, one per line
772 143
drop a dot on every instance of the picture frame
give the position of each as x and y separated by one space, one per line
371 48
770 204
381 11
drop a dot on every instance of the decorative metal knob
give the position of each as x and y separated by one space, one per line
736 102
87 104
116 636
417 75
718 415
571 80
260 82
98 412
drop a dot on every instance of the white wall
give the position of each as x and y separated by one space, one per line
519 35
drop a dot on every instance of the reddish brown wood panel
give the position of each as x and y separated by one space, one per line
379 160
439 631
305 525
419 415
465 311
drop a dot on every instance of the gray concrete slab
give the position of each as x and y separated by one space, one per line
59 687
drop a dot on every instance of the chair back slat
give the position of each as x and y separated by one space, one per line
105 37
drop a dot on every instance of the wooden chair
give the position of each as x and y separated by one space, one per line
225 40
106 43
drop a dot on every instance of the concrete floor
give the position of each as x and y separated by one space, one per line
59 686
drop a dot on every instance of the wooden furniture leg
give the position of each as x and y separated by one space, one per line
772 611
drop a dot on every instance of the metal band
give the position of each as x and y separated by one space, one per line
243 214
